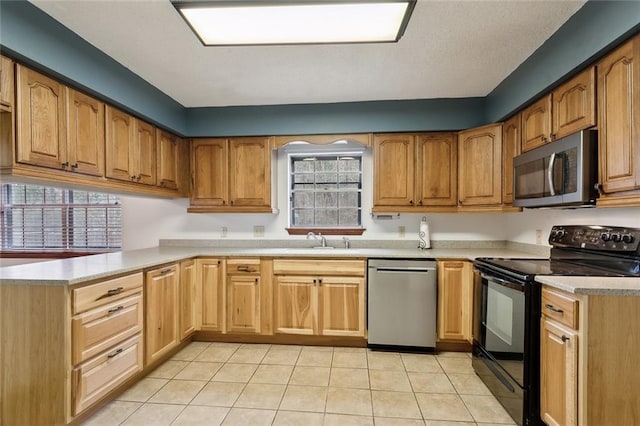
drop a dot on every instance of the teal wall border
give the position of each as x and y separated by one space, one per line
33 37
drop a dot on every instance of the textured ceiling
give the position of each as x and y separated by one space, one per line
450 49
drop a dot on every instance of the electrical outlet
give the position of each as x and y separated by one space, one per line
538 236
223 232
258 231
401 231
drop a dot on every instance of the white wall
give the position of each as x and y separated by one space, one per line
146 220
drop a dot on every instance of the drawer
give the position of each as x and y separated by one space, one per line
99 376
318 267
99 329
243 266
562 307
94 295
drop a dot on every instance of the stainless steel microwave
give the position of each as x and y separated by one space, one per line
562 173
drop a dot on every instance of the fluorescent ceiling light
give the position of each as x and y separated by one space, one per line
225 23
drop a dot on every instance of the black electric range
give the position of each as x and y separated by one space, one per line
507 299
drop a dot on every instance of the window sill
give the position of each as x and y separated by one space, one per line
49 254
326 231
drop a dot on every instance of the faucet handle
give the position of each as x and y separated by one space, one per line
347 242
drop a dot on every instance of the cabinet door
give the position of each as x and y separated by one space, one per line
341 306
119 133
558 374
250 172
188 298
455 300
85 135
7 83
437 171
161 311
211 287
573 105
536 124
296 305
393 170
243 304
480 166
41 120
168 159
144 153
209 185
618 118
511 140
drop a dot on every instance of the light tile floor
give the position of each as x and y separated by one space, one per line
243 384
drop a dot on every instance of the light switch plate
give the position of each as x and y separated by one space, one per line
538 236
258 231
401 231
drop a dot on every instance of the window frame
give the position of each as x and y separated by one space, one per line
66 227
325 230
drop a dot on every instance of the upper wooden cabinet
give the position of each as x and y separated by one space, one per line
414 171
231 175
7 83
480 166
511 140
618 125
41 117
131 148
568 109
169 160
85 146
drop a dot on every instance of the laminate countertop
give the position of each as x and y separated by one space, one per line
593 286
89 268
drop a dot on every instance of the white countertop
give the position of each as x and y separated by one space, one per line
88 268
595 286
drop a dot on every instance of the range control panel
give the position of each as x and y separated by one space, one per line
595 237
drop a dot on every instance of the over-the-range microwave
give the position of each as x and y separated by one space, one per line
562 173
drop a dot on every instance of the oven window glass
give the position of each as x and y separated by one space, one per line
504 322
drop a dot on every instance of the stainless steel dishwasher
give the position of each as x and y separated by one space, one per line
402 299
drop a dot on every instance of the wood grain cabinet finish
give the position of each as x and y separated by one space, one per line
41 117
210 288
161 294
231 175
415 172
511 141
322 297
586 374
536 124
144 153
455 300
618 125
7 83
243 295
188 298
169 160
573 106
85 134
480 166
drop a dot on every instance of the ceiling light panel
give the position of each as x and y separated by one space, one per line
243 23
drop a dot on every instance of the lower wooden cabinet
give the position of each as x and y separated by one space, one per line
455 300
310 300
161 293
188 298
211 295
243 296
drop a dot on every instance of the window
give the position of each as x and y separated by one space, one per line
38 218
325 190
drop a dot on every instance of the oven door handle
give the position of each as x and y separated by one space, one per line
503 282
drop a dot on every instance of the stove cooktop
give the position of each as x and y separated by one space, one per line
527 269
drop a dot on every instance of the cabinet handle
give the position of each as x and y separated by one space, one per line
553 309
224 202
231 202
138 178
114 353
410 202
320 281
256 281
598 187
116 309
65 164
553 136
74 166
314 281
420 202
543 139
114 291
245 268
166 271
133 177
565 338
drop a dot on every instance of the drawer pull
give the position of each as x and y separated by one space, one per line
553 308
116 290
166 271
116 309
565 338
114 353
245 268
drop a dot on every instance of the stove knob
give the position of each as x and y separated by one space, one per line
605 236
616 238
627 238
561 233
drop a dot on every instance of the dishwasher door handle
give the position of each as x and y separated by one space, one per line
412 270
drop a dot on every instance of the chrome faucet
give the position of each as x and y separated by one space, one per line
319 237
